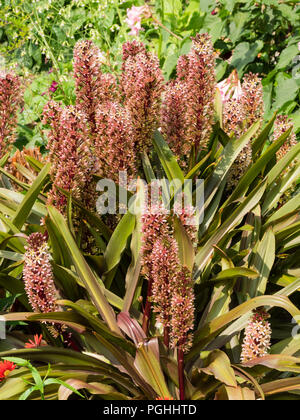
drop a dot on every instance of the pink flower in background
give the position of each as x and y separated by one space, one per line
134 17
53 86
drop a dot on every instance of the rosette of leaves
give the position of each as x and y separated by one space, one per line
247 257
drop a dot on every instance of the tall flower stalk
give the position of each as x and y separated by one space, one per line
282 124
170 286
242 107
92 86
38 277
10 100
69 153
188 106
142 86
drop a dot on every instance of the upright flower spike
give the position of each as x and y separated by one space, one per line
114 145
257 337
189 101
38 276
164 264
39 280
173 118
233 117
172 293
154 225
252 99
72 160
201 87
182 309
92 87
170 287
282 124
51 116
141 85
241 109
10 100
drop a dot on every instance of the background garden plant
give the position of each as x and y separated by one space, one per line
143 305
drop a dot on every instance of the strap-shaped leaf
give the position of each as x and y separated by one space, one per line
251 174
248 204
205 334
26 205
167 158
118 241
261 139
230 153
84 271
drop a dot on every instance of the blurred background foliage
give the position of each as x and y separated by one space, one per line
37 39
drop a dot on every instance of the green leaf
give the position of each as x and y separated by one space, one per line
281 385
248 204
259 142
245 53
118 241
287 56
256 168
285 91
185 246
264 259
230 153
84 271
32 194
208 332
148 364
133 272
279 362
167 158
234 272
218 364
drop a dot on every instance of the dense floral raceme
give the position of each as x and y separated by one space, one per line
154 225
172 292
10 100
282 124
114 141
188 106
38 275
92 86
257 338
141 85
252 99
70 154
242 107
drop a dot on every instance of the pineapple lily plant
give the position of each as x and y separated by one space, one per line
169 302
